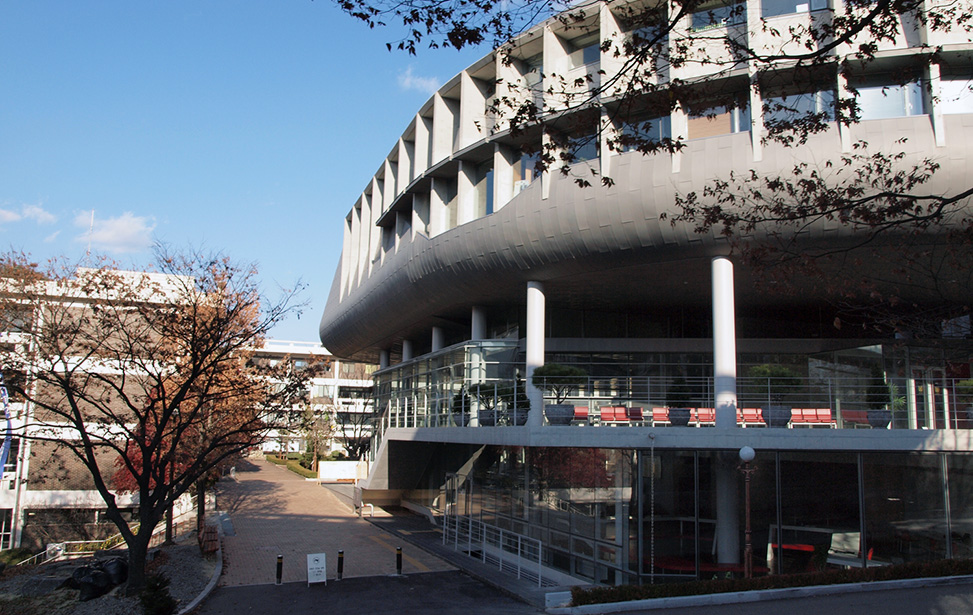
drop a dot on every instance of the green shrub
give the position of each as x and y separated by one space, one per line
12 557
912 570
307 461
155 597
295 466
272 458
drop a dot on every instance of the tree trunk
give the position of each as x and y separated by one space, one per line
200 505
138 550
169 540
169 525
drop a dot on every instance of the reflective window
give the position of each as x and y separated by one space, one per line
956 95
772 8
904 507
639 132
719 120
719 13
880 101
791 107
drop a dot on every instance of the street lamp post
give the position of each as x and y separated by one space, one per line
746 456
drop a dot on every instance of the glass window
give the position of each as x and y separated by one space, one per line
640 132
960 474
11 465
584 147
719 120
719 13
779 111
904 508
880 101
484 189
819 510
586 50
772 8
956 95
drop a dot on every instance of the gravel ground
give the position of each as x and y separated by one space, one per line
188 573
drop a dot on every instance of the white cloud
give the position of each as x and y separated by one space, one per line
126 233
53 236
27 212
408 81
38 214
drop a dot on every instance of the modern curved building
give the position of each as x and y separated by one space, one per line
464 269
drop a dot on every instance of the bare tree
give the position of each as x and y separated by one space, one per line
144 374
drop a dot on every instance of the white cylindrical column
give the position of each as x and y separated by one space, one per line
724 344
478 323
438 338
406 350
727 519
383 359
535 349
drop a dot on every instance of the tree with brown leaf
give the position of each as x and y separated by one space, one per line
144 376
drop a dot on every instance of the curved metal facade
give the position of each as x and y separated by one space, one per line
420 248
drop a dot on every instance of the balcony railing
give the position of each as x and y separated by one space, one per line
646 401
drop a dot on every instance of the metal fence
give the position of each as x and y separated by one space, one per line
512 553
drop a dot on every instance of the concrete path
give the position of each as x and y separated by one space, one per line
273 511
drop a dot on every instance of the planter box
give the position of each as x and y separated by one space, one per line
679 417
559 414
776 416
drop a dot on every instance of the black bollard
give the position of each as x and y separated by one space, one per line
398 560
280 568
341 564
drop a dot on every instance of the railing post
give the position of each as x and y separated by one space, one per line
519 556
540 552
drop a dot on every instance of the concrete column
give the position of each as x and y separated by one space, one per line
406 350
383 359
725 372
438 338
535 349
478 323
727 519
724 344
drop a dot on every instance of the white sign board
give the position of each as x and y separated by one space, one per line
317 568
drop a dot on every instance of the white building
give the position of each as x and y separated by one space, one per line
340 393
463 271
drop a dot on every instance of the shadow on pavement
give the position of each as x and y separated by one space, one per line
432 593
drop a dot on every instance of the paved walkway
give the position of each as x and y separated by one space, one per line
273 511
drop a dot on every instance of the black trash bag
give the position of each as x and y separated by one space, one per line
94 584
117 569
74 582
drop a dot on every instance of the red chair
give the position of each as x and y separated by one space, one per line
612 415
580 415
660 415
751 416
635 415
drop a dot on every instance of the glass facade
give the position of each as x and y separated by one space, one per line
620 516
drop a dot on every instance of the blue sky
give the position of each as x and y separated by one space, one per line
247 126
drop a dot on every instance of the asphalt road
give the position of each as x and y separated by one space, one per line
428 593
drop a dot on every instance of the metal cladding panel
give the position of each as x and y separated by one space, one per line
578 233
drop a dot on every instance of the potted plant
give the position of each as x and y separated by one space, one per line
779 384
489 396
517 403
460 406
559 381
883 399
679 402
